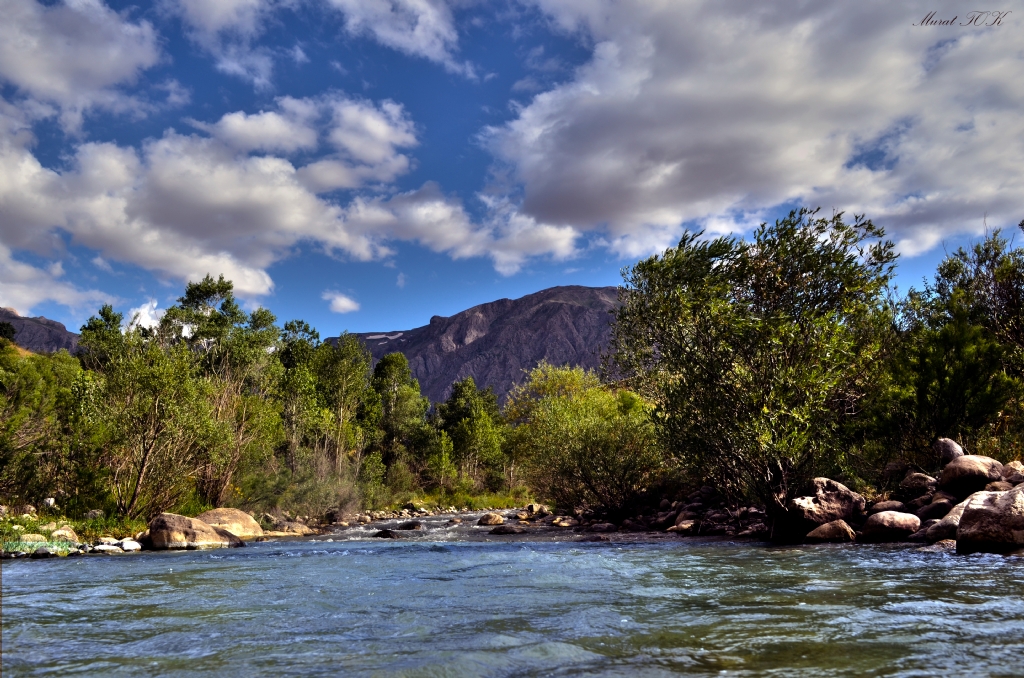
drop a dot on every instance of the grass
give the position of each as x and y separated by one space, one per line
475 501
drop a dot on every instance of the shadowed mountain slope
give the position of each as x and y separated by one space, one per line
495 342
39 334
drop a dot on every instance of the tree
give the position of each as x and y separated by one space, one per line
7 331
157 412
402 408
583 444
470 419
236 353
757 353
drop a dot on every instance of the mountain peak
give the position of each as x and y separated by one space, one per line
496 343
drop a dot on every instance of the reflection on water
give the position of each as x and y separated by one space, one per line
421 607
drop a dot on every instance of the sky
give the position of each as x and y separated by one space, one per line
367 164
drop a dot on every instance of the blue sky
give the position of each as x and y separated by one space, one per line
365 164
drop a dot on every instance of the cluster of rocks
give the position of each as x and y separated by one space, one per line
213 529
975 504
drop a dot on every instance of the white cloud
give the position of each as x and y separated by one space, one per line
339 302
291 129
400 282
227 30
74 54
147 315
676 120
22 286
423 28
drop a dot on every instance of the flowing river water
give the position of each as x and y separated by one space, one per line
456 602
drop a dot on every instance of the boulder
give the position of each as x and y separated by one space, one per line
998 486
64 533
50 502
890 505
171 531
603 527
936 509
94 514
490 519
890 526
386 534
682 527
968 474
32 537
238 523
507 529
41 552
411 525
916 484
831 501
48 527
108 541
992 522
1013 473
538 510
106 549
939 546
947 450
130 545
946 528
836 531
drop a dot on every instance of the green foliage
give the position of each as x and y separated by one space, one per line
7 331
469 419
582 444
757 353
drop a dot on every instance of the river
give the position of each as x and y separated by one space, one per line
457 603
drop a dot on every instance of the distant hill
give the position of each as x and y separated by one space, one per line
39 334
495 342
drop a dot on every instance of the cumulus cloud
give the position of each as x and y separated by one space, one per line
22 286
227 29
339 302
423 28
715 121
74 54
147 315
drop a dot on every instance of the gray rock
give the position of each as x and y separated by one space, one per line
936 509
947 526
947 450
943 546
507 529
831 501
889 526
238 523
969 474
490 519
171 531
386 534
998 486
836 531
130 545
50 502
107 549
1013 473
603 527
411 525
916 484
41 552
94 514
992 522
890 505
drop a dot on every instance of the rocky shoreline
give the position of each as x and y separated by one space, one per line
976 504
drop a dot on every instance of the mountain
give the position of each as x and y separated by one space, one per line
495 342
39 334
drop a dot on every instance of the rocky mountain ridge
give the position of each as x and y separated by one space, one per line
39 334
497 342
